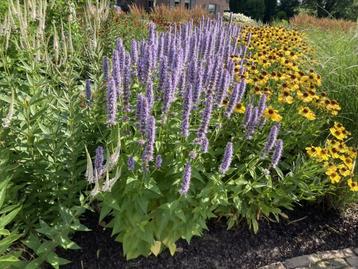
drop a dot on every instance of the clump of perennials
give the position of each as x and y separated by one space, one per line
337 158
175 88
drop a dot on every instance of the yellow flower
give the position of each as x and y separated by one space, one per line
334 151
285 97
304 96
311 151
322 154
272 114
334 177
338 133
343 170
348 161
330 169
353 185
239 108
307 113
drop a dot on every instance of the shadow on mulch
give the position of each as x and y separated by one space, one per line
308 230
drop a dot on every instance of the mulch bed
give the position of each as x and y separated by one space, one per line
308 230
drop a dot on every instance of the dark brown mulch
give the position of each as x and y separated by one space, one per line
308 230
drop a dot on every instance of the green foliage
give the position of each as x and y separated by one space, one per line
8 256
347 9
270 10
235 5
253 8
290 7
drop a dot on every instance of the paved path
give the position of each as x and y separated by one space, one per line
334 259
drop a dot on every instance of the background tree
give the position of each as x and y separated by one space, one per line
289 7
234 5
347 9
270 10
253 8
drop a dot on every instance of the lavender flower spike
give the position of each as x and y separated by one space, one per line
150 131
227 158
262 105
271 140
277 154
186 111
149 93
233 101
131 163
98 162
111 102
248 114
158 161
186 180
88 91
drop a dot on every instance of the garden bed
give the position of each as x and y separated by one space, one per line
308 230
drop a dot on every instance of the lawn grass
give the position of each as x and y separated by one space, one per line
337 54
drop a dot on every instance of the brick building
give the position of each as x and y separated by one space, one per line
213 6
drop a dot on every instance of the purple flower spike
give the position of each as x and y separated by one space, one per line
262 105
206 116
131 163
150 132
271 140
149 93
251 125
248 114
277 153
111 102
98 162
227 158
134 52
233 101
158 161
186 180
186 112
241 91
88 91
204 144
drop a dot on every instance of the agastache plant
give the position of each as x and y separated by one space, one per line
189 69
226 162
277 153
186 179
271 140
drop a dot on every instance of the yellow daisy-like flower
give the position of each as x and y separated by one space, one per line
322 154
343 170
311 151
353 185
285 97
304 96
272 114
334 177
307 113
334 151
330 169
338 133
240 108
348 161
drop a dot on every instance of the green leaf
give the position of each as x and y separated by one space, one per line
9 217
56 261
4 232
155 248
3 186
7 241
171 245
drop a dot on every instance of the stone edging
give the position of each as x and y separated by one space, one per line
334 259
